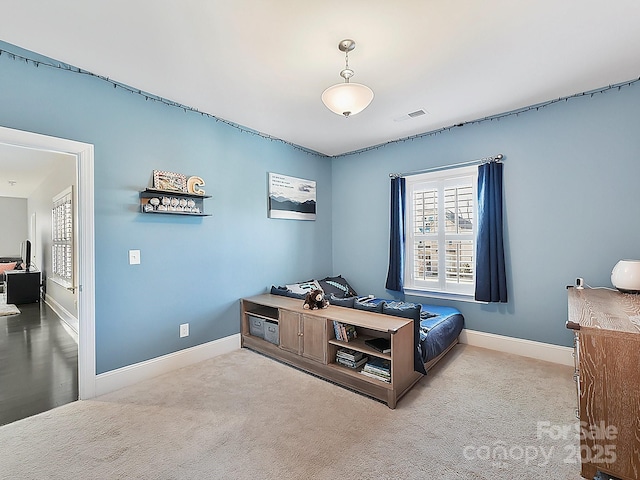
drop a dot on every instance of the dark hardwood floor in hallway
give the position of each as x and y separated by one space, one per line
38 363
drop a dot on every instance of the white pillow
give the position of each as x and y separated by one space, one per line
304 287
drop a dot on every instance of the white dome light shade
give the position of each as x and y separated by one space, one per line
347 98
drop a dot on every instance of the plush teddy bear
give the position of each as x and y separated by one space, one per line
315 300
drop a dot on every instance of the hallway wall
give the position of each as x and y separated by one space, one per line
13 224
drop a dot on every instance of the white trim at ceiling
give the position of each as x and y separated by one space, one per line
85 237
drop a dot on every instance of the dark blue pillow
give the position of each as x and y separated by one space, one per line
285 292
341 302
279 291
411 311
300 296
403 309
369 305
337 286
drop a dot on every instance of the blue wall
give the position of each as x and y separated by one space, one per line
193 269
571 196
571 204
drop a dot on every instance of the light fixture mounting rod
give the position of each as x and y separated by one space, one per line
346 46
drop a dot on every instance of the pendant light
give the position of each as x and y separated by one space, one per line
347 98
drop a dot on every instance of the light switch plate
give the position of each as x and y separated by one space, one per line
184 330
134 257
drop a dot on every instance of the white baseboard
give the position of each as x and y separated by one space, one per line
518 346
132 374
69 321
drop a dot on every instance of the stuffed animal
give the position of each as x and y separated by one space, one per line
315 300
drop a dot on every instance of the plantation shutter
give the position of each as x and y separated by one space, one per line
62 238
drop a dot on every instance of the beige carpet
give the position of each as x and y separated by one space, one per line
244 416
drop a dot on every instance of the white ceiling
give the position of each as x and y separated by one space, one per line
264 63
22 170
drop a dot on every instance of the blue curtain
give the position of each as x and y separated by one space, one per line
395 275
491 281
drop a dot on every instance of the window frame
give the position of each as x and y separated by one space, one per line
439 180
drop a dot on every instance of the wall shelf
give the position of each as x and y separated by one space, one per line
175 203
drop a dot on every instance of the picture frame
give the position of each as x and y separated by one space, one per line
169 181
291 198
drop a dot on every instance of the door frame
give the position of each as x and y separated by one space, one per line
85 246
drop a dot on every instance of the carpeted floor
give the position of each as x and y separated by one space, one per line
478 415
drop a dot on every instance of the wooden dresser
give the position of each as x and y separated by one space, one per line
607 354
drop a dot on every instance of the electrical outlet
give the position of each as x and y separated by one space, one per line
184 330
134 257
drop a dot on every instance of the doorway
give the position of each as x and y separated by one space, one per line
84 241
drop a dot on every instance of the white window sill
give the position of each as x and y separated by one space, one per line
62 283
460 297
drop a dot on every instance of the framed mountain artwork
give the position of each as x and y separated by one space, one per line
291 198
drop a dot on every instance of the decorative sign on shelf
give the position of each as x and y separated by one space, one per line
194 184
169 181
177 182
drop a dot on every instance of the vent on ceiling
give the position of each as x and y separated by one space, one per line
416 114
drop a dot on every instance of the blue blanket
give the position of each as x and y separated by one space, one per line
438 331
439 327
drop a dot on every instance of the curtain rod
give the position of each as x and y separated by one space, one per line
493 158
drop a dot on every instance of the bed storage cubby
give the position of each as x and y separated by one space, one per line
307 340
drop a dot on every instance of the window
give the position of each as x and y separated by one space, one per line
62 238
441 231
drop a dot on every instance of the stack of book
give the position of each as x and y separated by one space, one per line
350 358
380 344
344 332
378 368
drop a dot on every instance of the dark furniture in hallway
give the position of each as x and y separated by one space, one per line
21 286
